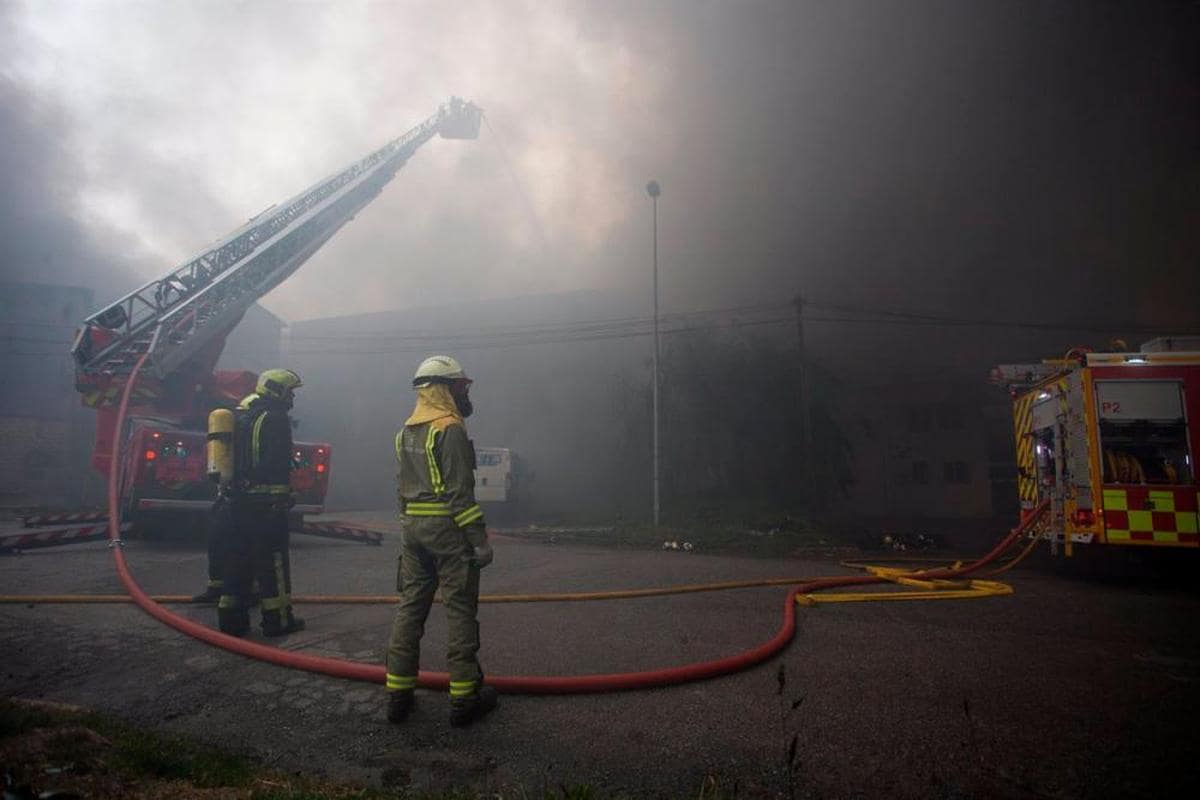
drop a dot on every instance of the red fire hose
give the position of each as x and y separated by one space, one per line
580 684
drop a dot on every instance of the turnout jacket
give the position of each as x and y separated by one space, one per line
263 448
435 476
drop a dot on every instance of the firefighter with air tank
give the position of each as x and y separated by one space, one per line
443 543
250 454
219 526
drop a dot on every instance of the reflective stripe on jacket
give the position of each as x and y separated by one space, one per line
435 475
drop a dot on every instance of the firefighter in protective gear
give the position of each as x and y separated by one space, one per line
258 503
219 532
443 543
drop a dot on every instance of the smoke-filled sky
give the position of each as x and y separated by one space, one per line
998 157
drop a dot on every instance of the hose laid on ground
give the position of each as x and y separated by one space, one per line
1005 567
390 599
1034 540
375 673
944 573
979 589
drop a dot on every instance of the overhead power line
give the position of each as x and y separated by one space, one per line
370 343
485 344
732 317
615 323
893 317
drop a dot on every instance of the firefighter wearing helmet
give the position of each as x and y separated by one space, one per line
443 543
221 423
258 499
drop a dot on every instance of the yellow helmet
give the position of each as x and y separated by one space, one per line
438 369
278 384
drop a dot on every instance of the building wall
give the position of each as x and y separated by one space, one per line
921 451
550 403
255 344
577 413
32 462
45 431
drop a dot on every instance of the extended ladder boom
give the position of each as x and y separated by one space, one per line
176 316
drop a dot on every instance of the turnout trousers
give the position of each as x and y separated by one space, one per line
220 534
435 551
257 553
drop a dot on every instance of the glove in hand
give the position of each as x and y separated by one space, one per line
477 538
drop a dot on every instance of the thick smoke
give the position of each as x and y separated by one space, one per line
934 155
1032 160
981 162
43 237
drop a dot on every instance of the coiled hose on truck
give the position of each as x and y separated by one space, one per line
579 684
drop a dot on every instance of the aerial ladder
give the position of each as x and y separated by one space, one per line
178 323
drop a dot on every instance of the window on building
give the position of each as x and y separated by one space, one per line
956 472
920 472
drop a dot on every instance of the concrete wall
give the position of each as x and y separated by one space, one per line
547 402
923 450
255 343
577 413
45 433
33 458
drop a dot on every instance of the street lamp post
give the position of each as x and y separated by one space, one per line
654 190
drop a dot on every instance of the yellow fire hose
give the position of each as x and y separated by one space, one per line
388 599
935 589
930 590
970 590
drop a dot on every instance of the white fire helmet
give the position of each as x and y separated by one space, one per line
438 369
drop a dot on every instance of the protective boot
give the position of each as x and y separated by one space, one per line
465 710
233 619
400 704
280 623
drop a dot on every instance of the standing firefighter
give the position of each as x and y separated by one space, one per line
219 525
444 542
259 497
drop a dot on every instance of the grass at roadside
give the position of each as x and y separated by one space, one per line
50 747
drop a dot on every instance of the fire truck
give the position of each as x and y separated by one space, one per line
1110 440
176 328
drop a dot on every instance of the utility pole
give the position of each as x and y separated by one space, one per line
654 190
805 416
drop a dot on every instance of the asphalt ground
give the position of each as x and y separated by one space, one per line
1071 687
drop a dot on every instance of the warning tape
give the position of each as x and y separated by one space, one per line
333 530
65 518
54 537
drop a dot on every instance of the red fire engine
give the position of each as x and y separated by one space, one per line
176 327
1110 439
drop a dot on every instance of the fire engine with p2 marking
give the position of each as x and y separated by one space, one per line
1110 439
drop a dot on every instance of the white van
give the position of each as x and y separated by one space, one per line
493 474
